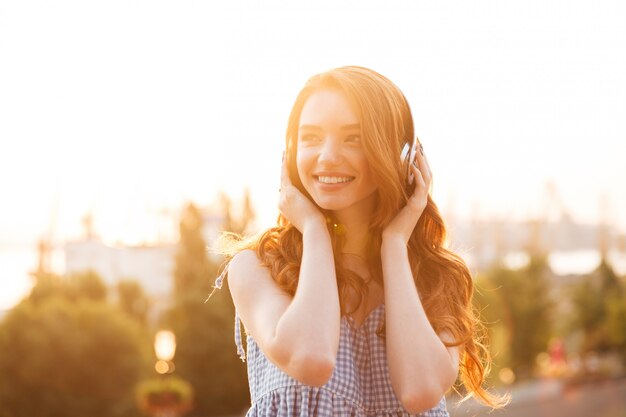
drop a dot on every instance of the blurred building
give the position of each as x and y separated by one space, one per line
151 266
571 247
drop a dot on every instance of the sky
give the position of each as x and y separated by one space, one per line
128 109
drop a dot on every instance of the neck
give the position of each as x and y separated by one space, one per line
355 221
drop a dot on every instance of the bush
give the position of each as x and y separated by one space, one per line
167 395
69 358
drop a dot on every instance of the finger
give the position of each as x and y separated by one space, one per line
422 164
419 179
426 183
418 200
421 184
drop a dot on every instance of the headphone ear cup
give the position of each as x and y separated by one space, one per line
407 156
404 160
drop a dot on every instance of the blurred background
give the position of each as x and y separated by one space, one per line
133 132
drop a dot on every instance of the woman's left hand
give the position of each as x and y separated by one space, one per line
403 224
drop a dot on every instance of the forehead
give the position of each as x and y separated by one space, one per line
328 107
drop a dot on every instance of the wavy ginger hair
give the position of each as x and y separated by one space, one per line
441 277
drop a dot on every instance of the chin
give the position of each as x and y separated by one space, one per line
325 204
331 205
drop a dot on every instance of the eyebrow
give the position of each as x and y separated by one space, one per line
353 126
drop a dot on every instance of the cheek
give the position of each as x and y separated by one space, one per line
371 184
364 167
302 166
305 157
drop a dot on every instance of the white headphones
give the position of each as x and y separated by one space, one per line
407 156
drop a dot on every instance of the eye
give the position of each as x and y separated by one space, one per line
308 137
353 139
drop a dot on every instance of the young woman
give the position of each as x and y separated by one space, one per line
352 305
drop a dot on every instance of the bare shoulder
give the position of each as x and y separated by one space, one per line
243 264
250 282
245 273
255 294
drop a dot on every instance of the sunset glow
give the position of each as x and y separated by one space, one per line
125 111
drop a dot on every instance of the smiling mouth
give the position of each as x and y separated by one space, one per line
333 180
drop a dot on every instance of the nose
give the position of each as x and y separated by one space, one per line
330 153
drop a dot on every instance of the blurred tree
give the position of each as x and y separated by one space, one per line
133 300
73 358
517 301
600 311
205 352
88 285
234 222
192 268
83 285
49 285
496 318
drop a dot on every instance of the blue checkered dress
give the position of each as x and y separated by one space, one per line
359 386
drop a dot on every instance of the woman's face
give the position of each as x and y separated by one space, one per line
330 157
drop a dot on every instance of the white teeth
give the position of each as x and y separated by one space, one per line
334 180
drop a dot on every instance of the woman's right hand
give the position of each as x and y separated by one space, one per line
295 206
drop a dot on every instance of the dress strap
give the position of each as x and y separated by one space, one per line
238 342
219 281
218 286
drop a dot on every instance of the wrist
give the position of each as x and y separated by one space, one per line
314 225
392 244
394 240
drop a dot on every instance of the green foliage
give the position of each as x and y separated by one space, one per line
616 323
49 285
205 352
206 355
237 223
600 311
167 395
517 308
62 357
88 285
192 264
159 385
85 285
132 300
519 313
488 303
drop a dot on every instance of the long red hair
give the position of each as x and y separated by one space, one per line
441 277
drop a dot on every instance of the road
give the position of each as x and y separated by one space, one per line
551 398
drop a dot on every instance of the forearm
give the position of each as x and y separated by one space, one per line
310 325
419 362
